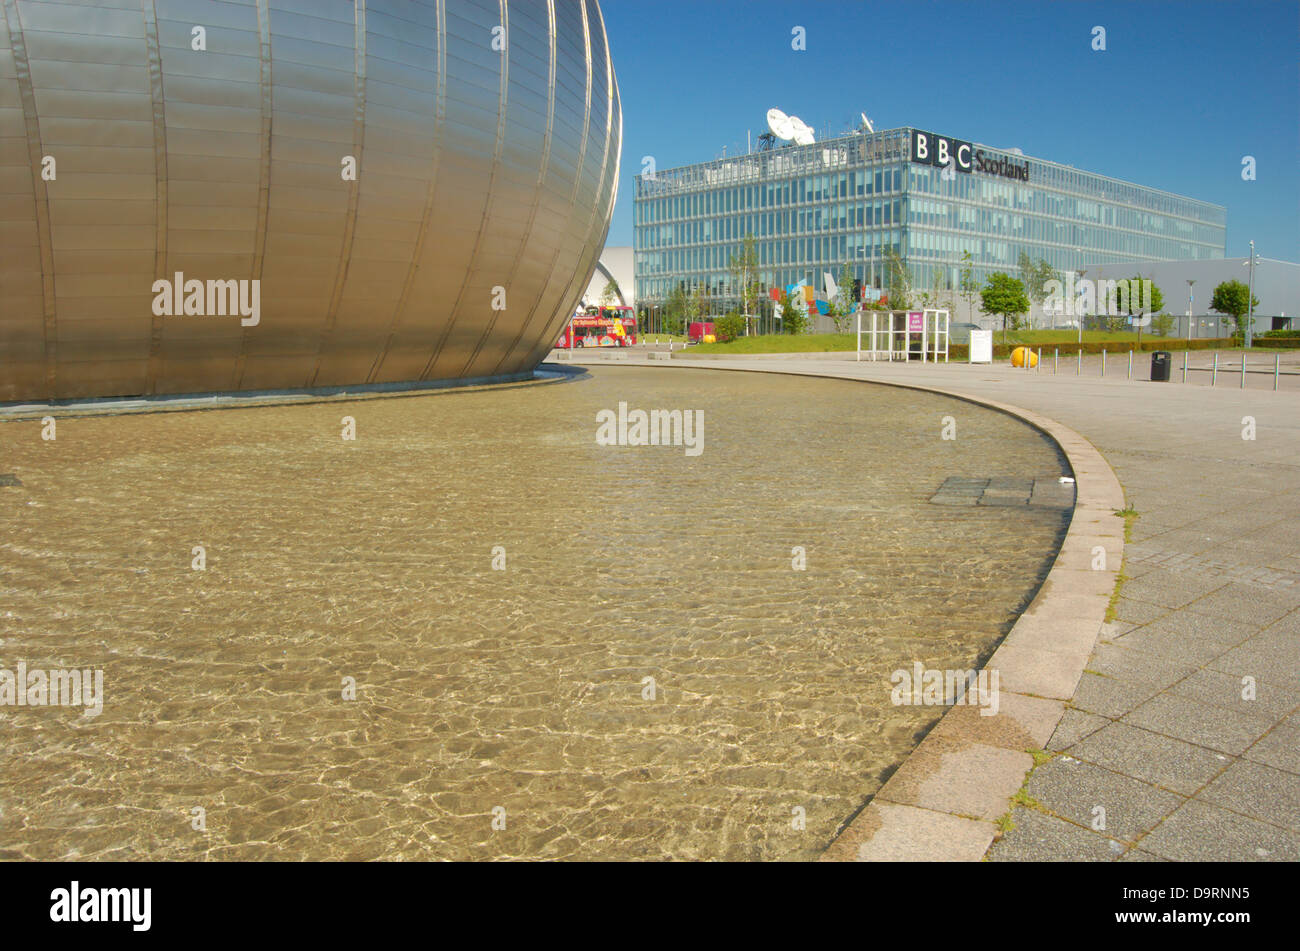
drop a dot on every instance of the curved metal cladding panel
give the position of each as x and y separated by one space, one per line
145 139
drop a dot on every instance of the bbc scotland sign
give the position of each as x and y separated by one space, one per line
944 152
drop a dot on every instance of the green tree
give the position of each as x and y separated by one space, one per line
1034 275
900 280
967 284
674 312
1162 324
728 327
1130 304
843 305
794 312
744 275
1233 298
1005 295
612 293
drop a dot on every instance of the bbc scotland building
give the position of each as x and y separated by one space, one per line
925 197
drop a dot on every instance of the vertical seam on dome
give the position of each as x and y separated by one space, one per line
439 114
581 274
26 90
354 192
577 179
542 171
264 173
491 190
154 49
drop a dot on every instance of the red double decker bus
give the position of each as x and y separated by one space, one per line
600 327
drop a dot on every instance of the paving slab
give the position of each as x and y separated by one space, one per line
1280 748
1216 728
1272 701
1200 832
1259 791
891 833
1073 727
1155 759
1043 838
1086 794
1109 697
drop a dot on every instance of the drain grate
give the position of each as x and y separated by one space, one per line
8 478
1047 493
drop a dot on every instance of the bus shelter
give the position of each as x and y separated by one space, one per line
903 335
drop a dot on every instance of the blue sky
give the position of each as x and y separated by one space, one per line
1183 91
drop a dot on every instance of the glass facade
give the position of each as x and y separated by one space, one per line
813 208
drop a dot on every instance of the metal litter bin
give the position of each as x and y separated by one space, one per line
1160 363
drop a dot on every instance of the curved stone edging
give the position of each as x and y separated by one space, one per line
943 801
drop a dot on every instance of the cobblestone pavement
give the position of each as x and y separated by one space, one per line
1182 741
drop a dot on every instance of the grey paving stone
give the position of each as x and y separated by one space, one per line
1185 719
1114 630
1262 792
1037 837
1003 501
1271 701
1074 789
1150 757
1138 855
1139 612
1124 663
1108 697
1235 604
1203 627
1290 624
1170 589
1176 645
1280 748
1200 832
1273 657
1074 726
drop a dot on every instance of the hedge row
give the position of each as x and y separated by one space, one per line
962 351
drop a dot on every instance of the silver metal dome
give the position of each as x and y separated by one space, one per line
145 139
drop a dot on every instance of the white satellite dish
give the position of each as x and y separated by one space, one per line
780 124
802 135
866 123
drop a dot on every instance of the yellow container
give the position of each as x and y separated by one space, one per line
1021 354
710 338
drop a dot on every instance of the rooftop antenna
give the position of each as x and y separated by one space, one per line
866 123
780 124
800 132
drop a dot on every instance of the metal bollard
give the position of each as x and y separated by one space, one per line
1184 366
1103 363
1039 364
1277 367
1130 364
1078 366
1056 360
1243 370
1214 372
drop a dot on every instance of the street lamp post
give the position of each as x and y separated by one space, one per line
1250 298
1189 307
